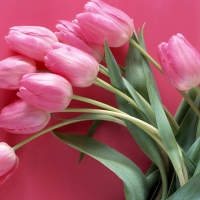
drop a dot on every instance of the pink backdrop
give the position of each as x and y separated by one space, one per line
48 168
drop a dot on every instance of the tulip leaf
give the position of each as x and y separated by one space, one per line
134 71
197 170
184 106
135 183
164 127
198 130
91 132
153 178
143 104
187 128
145 63
189 191
146 143
193 152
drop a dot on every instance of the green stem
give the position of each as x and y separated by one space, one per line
168 114
96 103
64 123
152 131
110 88
144 53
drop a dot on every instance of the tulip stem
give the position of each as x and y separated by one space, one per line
169 116
149 129
110 88
97 103
144 53
61 124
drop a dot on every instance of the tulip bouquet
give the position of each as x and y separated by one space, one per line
74 56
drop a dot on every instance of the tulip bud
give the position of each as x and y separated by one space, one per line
31 41
47 91
23 118
75 65
13 68
70 34
8 162
180 62
101 21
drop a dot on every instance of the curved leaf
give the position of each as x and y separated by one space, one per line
187 128
184 106
146 143
135 183
190 191
134 68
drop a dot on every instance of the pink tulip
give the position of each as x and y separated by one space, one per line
31 41
47 91
13 68
70 34
180 62
23 118
101 21
8 162
75 65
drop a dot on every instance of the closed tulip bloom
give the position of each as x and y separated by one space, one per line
75 65
8 162
47 91
13 68
180 62
31 41
23 118
70 34
101 21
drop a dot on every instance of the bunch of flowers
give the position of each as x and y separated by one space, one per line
72 56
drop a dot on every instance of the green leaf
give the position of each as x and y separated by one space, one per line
146 143
193 152
189 164
143 104
184 106
186 134
135 183
91 132
189 191
164 127
197 170
198 130
134 71
145 63
153 178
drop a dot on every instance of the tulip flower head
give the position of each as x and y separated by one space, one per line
101 21
77 66
8 162
12 69
23 118
70 34
180 62
31 41
47 91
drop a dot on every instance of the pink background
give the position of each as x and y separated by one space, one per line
48 168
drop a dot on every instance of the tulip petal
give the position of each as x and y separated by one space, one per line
75 65
23 118
180 62
97 28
